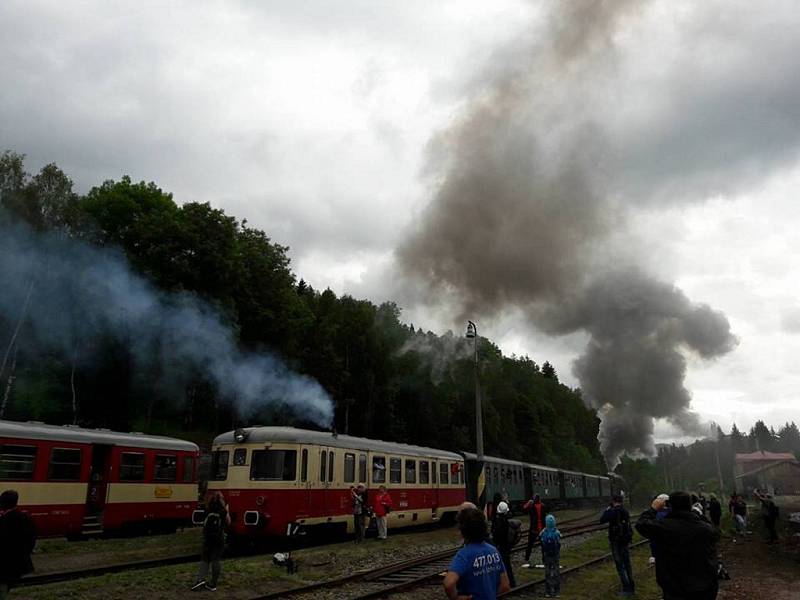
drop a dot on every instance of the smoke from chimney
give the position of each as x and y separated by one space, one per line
525 214
82 291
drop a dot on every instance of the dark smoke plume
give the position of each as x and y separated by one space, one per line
85 292
525 214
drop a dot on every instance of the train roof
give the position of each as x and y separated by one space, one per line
293 435
34 430
506 461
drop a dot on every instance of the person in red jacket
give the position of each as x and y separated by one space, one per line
383 506
537 512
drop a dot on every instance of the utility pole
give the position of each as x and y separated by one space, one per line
472 332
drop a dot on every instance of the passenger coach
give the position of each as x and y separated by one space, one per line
284 481
80 482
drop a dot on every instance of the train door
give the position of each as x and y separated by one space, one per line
99 474
320 498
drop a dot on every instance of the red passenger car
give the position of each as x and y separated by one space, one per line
283 481
77 482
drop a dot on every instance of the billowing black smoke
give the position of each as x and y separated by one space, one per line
82 292
526 214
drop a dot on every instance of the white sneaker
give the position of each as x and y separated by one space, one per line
651 560
526 566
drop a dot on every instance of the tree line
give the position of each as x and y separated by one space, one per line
387 379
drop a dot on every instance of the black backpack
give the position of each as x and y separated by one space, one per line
621 530
212 527
514 531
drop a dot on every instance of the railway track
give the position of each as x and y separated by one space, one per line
384 581
530 589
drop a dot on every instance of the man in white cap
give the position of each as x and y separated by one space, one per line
501 539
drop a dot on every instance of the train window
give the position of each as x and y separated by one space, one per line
456 478
65 464
349 468
395 471
488 475
424 471
444 475
411 471
330 465
219 465
433 472
275 465
362 468
131 466
240 457
165 468
323 465
497 476
188 469
304 465
378 469
17 462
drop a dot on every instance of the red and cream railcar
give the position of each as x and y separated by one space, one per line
283 481
78 482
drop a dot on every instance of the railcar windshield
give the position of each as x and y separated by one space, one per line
219 465
277 465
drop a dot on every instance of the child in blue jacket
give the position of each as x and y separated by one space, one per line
550 538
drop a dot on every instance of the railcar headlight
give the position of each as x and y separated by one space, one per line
240 435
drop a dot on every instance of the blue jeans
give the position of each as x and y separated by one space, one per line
552 575
622 559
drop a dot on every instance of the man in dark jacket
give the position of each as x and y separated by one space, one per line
619 538
17 539
500 538
687 565
715 510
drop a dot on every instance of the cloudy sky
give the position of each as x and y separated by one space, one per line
332 127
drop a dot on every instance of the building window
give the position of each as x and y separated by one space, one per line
240 457
219 465
304 465
444 476
378 469
362 468
65 464
131 466
273 465
165 468
424 471
17 462
395 470
411 471
349 468
188 469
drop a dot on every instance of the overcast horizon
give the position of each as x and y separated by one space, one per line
319 126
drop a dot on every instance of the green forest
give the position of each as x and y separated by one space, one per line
386 378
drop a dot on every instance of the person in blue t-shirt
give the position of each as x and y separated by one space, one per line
476 571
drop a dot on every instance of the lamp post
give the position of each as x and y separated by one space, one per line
472 333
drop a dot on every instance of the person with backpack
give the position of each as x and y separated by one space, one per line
536 511
506 533
550 539
477 571
620 534
383 506
216 520
687 565
17 539
770 512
